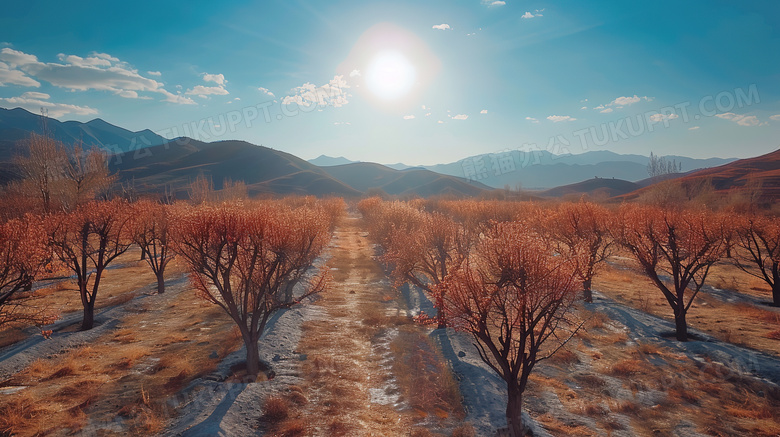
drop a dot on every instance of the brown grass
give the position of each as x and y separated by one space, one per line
275 409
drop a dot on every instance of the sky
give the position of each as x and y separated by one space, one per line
408 81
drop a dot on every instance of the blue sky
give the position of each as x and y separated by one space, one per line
409 81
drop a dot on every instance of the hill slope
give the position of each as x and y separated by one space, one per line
17 124
366 175
264 170
596 187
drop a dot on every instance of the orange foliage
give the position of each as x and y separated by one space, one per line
243 256
512 294
676 249
87 240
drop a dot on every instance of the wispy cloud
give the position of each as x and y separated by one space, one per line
742 120
460 117
443 26
266 91
560 118
532 120
493 2
354 73
662 117
409 117
536 13
484 111
98 71
154 73
334 93
694 128
775 117
33 101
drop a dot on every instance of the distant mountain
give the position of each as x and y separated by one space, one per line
543 170
264 170
17 124
761 172
594 188
326 161
364 176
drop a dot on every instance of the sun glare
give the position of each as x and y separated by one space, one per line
390 75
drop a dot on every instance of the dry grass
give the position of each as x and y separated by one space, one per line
276 409
427 383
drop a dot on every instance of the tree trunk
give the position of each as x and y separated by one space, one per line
514 411
587 292
681 325
776 293
252 359
143 254
160 283
89 317
441 317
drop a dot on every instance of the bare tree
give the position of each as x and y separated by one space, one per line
87 240
240 259
513 294
151 229
676 249
22 253
758 238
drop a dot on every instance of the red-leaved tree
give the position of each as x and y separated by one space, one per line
583 231
675 249
758 239
87 240
23 251
425 254
150 231
241 258
513 294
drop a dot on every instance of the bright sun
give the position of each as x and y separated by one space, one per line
390 75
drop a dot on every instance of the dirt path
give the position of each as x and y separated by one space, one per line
349 388
355 340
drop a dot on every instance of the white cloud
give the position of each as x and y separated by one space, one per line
662 117
98 71
606 110
775 117
440 122
203 91
742 120
354 73
423 106
219 79
177 98
484 111
693 128
154 73
532 120
338 123
408 117
584 107
35 95
623 101
460 117
15 77
493 2
16 58
427 114
560 118
34 101
443 26
332 93
266 91
537 13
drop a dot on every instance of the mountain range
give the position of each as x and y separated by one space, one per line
540 170
152 164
